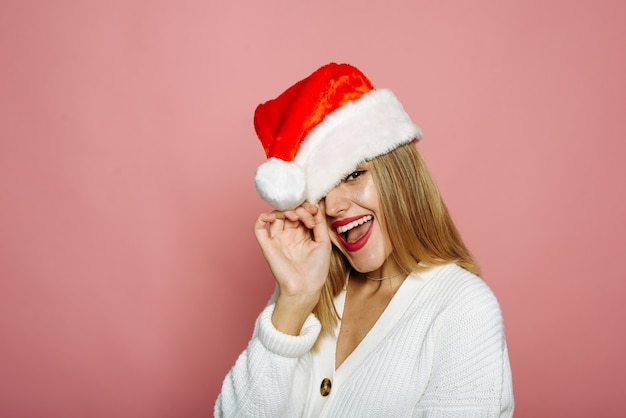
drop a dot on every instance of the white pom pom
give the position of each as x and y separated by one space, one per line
280 183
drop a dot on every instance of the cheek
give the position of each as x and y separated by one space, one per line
366 195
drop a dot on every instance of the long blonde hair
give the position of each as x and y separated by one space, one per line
418 223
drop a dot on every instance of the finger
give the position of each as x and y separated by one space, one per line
305 216
320 230
297 217
276 226
310 207
263 219
261 224
288 224
291 215
278 214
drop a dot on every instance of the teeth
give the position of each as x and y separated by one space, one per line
354 224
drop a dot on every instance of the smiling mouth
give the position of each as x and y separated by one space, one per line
351 232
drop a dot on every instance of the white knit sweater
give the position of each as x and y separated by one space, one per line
438 350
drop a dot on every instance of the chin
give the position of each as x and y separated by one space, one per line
365 266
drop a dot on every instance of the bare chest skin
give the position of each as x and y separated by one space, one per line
365 302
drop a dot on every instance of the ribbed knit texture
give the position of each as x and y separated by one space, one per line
446 357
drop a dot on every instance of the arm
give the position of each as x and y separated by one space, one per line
471 375
297 248
270 377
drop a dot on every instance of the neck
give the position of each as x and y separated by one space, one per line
387 271
372 283
391 276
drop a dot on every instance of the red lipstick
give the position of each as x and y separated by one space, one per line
359 243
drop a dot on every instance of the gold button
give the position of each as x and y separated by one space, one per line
325 387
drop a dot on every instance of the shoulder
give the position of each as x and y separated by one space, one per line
455 289
454 280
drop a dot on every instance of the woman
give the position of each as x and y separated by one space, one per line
378 309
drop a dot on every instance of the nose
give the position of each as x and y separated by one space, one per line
336 202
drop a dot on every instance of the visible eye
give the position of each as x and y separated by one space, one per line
355 175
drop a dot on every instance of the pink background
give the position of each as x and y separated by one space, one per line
129 274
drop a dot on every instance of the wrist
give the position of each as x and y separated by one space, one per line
283 344
290 313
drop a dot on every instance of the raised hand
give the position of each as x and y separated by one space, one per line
297 248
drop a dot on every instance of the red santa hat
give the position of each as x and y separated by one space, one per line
320 129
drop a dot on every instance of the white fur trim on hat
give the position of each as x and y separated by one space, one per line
358 131
280 183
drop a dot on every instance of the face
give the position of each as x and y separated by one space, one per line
354 218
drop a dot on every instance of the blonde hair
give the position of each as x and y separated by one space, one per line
418 223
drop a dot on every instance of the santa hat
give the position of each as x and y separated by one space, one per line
320 129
